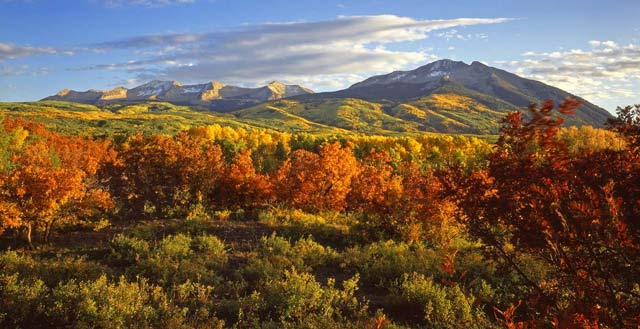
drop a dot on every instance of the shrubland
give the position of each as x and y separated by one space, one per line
218 226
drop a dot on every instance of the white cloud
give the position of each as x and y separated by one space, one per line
143 3
451 35
298 50
23 70
605 71
454 34
11 51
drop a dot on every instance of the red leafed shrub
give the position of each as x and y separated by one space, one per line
579 214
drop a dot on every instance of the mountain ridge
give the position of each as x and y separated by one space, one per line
495 88
444 96
213 94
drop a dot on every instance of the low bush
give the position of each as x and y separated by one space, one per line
441 306
94 304
175 259
50 270
382 263
274 255
298 300
329 227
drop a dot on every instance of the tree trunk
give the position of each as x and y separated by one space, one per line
28 237
47 231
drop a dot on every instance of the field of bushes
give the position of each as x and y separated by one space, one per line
240 227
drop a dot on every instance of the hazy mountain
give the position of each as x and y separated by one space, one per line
214 94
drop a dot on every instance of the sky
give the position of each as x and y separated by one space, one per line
589 47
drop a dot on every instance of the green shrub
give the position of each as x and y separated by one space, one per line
382 263
274 254
198 212
151 229
174 247
50 270
199 300
175 260
128 250
270 258
211 250
22 302
223 215
298 300
442 306
198 220
326 226
99 304
113 305
313 254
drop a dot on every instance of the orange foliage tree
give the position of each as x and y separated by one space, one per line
317 181
422 200
376 188
160 174
241 185
405 201
52 180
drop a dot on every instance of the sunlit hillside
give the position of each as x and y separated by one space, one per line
327 117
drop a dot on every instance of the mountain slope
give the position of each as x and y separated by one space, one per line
498 89
150 117
347 113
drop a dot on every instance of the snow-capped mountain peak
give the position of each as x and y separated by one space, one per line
154 88
423 74
206 94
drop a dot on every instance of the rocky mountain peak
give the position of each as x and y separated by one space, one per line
277 88
478 64
63 92
445 64
212 94
430 72
215 84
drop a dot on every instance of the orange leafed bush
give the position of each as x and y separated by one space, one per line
52 180
317 181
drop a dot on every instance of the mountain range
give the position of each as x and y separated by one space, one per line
213 94
442 96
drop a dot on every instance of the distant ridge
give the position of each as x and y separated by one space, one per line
214 94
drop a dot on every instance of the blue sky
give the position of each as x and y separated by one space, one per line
590 48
